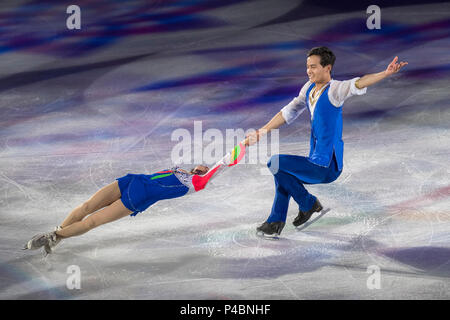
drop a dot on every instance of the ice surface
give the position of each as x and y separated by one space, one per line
78 111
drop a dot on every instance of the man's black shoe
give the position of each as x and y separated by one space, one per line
304 216
272 229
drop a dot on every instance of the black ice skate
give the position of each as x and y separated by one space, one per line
270 230
304 216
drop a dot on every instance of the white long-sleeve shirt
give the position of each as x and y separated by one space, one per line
339 92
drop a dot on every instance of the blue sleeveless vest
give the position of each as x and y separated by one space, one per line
326 131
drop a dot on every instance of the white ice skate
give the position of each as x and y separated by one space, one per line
53 242
47 240
40 240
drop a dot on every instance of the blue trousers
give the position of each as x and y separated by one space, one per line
290 173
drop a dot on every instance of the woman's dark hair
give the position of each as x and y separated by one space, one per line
193 171
326 55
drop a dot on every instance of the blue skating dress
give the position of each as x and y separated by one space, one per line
140 191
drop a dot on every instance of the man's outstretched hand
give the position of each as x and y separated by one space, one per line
251 139
370 79
394 67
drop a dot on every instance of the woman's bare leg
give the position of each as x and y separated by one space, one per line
102 198
114 211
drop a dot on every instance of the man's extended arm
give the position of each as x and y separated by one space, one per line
372 78
276 122
286 115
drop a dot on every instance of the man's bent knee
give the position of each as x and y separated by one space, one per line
274 164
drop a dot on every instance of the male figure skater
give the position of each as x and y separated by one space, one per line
324 98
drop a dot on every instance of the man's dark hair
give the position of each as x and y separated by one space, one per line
326 55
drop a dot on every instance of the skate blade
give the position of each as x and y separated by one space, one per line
310 222
268 236
27 246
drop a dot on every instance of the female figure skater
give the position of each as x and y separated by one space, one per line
129 195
